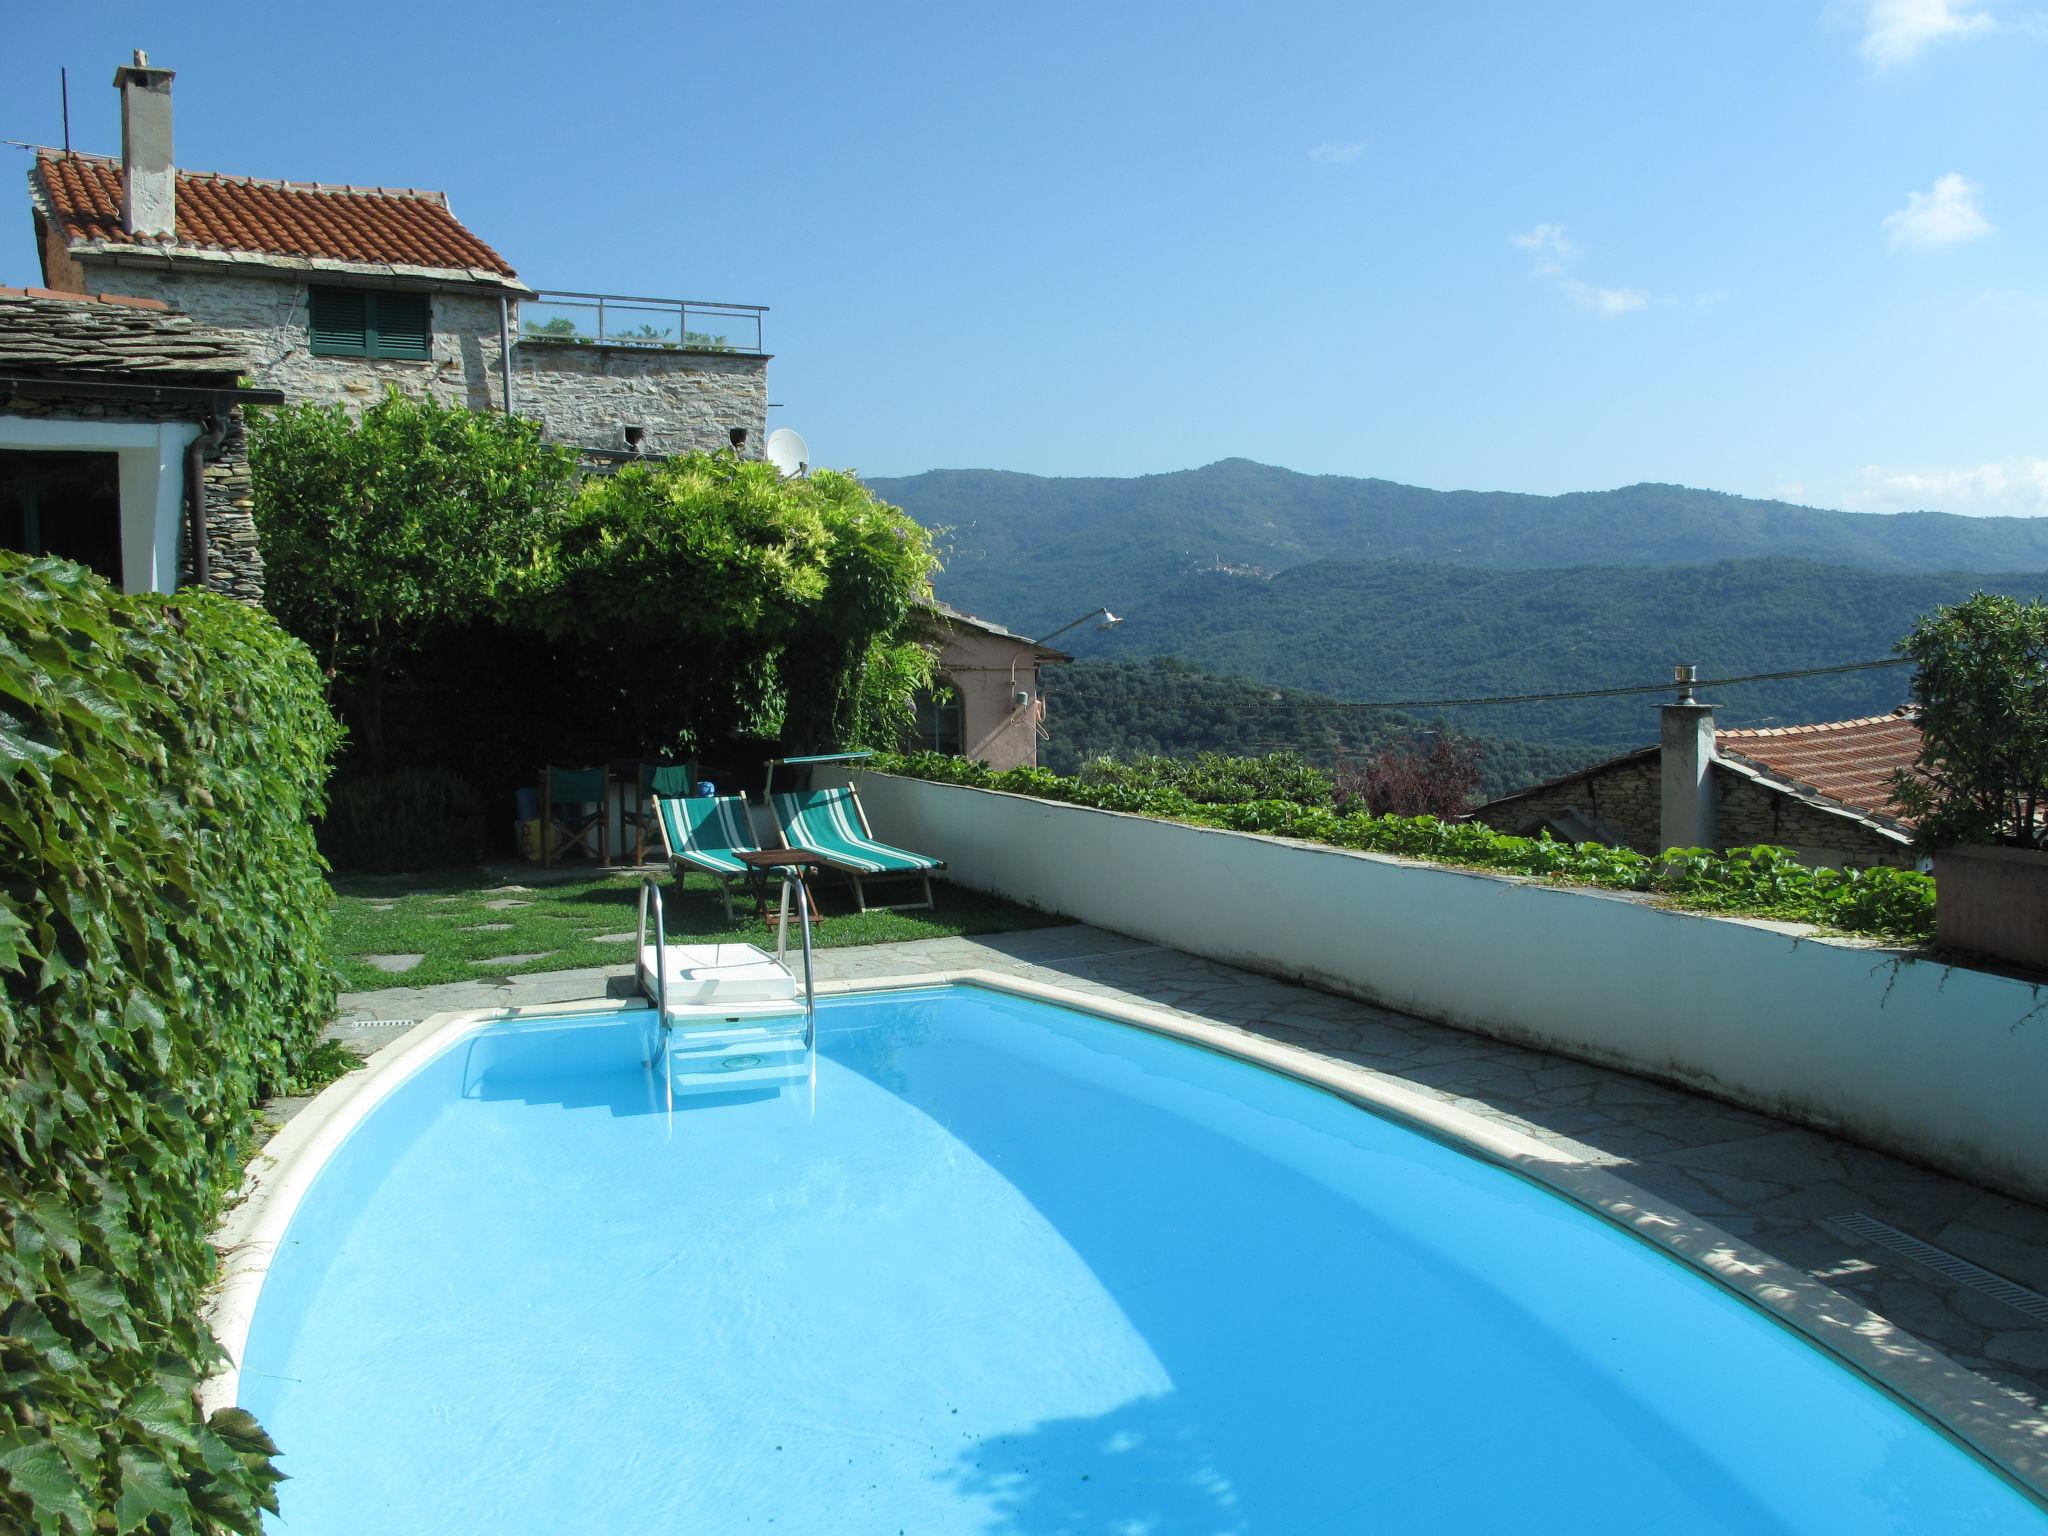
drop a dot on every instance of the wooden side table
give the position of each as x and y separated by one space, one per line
765 860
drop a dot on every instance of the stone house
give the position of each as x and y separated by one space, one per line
121 442
334 293
986 704
1823 791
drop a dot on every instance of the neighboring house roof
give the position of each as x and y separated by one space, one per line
293 223
952 615
47 334
1843 767
1850 761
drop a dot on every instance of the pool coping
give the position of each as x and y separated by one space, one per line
2000 1430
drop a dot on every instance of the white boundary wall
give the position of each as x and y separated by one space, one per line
1943 1065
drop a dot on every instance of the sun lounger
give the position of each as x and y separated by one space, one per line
829 825
707 834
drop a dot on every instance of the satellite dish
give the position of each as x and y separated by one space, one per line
788 452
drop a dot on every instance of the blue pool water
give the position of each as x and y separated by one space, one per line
1016 1270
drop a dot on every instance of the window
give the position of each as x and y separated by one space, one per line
63 504
370 322
940 727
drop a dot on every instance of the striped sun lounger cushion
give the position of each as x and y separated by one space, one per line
707 833
827 822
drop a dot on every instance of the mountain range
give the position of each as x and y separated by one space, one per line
1369 590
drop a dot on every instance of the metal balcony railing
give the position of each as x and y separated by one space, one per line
623 320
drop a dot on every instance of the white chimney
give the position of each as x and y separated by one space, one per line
149 177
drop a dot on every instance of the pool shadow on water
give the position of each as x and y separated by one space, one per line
1142 1467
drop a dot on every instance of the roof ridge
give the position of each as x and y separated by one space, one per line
1748 731
235 179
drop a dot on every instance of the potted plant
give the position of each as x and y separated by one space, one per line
1979 794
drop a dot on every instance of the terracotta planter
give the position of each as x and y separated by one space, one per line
1993 901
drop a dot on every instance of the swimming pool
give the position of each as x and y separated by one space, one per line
1013 1268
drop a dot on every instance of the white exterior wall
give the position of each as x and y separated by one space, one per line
151 465
1943 1065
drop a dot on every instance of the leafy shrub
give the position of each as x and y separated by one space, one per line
383 531
415 818
1210 778
163 965
475 603
1982 686
1755 882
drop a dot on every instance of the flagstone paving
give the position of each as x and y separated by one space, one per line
1769 1183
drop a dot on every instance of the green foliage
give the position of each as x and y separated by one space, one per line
1210 778
1982 687
1171 708
413 818
164 952
479 607
382 533
1753 882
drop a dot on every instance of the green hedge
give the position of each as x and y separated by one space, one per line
1764 881
163 950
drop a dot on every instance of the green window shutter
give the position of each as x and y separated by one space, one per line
340 323
399 325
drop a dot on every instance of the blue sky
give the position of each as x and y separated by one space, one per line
1783 247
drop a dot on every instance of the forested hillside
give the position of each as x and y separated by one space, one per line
1171 708
1032 552
1397 630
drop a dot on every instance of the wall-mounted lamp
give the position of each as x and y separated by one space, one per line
1109 621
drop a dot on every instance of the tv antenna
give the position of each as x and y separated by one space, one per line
788 452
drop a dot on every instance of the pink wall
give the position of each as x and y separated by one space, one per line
986 671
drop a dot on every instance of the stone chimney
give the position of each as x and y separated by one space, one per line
1687 806
149 177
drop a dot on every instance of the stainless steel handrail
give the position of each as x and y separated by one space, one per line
648 889
803 905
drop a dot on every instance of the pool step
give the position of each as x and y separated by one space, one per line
729 1059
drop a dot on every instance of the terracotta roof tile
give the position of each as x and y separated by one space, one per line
1847 760
378 226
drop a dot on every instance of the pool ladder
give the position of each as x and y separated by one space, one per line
650 897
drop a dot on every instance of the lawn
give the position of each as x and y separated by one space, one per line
473 924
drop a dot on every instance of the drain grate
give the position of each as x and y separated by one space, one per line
1944 1263
378 1023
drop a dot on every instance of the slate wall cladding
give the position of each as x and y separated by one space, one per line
687 401
266 313
1625 798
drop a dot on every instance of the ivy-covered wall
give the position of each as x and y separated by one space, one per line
163 966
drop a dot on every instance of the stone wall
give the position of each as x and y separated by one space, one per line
588 394
234 560
268 315
1623 799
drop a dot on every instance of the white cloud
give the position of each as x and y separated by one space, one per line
1552 251
2016 487
1945 214
1551 247
1605 301
1896 32
1338 152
